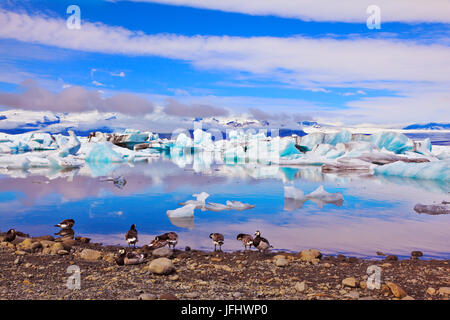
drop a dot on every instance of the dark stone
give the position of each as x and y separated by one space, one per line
167 296
187 248
391 258
341 257
416 254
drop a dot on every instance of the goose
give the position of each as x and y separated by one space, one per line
66 234
246 239
10 235
130 258
260 243
217 239
131 236
66 224
170 237
157 243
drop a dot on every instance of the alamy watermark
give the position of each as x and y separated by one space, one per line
374 20
73 22
74 281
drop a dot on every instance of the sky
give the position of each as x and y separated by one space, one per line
284 60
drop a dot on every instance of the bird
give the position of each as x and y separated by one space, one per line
157 243
170 237
131 236
217 239
260 243
10 235
66 234
246 239
124 258
66 224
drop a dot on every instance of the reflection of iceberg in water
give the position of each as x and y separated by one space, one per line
183 222
295 198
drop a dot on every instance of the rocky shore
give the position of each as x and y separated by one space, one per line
37 268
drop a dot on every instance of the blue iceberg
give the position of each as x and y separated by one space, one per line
437 170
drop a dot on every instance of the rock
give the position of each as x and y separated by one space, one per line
18 261
352 295
341 257
363 284
90 255
69 243
161 266
26 244
162 252
385 265
380 253
46 238
187 248
111 258
444 290
349 282
20 252
46 243
168 296
408 298
282 262
85 240
309 255
431 291
396 290
175 277
391 258
36 246
300 286
57 246
147 296
192 295
237 295
63 252
416 254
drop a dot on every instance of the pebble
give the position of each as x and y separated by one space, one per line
349 282
147 296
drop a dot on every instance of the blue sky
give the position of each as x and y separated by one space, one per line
316 60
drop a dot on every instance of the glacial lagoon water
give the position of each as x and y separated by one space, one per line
376 214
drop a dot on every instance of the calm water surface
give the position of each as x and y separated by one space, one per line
376 215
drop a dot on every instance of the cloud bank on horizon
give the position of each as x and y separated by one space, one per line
327 71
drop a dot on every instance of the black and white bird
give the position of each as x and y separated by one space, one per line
10 235
130 258
66 224
260 243
170 237
246 239
131 237
218 240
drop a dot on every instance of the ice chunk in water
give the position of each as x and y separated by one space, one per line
104 153
289 149
439 170
183 141
69 146
239 206
185 211
392 141
318 196
338 137
217 207
433 209
199 202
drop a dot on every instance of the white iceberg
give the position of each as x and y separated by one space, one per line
199 203
439 170
239 206
217 207
185 211
295 198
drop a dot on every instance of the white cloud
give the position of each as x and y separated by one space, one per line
328 10
401 66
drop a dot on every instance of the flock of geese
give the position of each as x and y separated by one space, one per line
169 239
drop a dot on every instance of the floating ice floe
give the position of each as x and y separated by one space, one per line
439 170
217 207
199 203
239 206
433 209
185 211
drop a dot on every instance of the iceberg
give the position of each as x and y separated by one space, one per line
183 141
199 202
217 207
439 170
392 141
70 146
239 206
185 211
